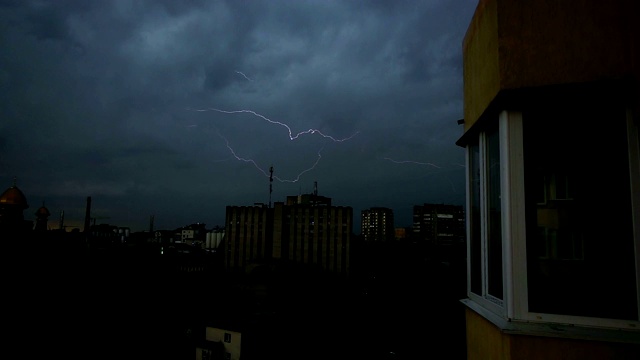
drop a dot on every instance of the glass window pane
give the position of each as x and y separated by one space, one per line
475 227
589 267
494 214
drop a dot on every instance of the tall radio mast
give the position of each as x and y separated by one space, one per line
270 184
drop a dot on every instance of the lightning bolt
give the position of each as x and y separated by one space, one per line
411 162
291 136
241 73
262 170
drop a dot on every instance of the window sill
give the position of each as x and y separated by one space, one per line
567 331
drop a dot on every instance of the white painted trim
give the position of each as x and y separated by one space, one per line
490 302
558 330
468 168
580 320
513 210
482 143
483 298
505 191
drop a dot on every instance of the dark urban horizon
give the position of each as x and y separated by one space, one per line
157 295
75 222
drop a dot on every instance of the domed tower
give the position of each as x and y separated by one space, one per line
12 204
42 216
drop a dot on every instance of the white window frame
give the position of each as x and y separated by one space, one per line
489 302
514 261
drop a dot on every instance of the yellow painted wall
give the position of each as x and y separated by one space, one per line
486 342
561 42
514 44
480 62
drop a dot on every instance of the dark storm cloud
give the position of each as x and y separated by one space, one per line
100 97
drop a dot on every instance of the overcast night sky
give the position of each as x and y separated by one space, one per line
178 108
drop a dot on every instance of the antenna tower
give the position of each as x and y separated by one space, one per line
270 184
87 216
61 220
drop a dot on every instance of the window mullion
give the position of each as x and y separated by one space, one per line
513 219
484 232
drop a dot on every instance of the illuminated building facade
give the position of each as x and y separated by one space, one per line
438 224
377 225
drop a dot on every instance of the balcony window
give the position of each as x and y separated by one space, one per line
581 262
553 226
485 236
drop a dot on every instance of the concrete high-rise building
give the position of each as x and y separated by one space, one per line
377 225
248 235
439 224
313 233
306 229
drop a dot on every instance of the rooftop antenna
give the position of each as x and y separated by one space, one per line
270 184
315 188
87 216
62 219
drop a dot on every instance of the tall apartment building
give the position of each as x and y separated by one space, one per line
377 225
309 230
439 224
249 235
306 229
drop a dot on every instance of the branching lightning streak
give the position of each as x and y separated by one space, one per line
291 136
262 170
245 76
304 171
412 162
